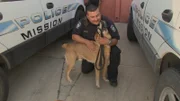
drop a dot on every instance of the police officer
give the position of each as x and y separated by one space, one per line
84 33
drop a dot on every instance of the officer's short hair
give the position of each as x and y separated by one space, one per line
94 2
91 8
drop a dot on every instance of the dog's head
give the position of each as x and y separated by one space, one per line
103 31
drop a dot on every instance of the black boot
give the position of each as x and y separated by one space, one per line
113 83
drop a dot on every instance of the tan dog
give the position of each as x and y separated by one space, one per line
78 51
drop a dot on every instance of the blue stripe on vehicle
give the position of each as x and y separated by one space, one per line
7 27
172 44
72 6
166 32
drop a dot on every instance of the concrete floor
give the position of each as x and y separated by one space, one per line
38 77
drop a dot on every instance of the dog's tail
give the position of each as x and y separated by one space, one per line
64 45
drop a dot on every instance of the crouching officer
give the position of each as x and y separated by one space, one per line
84 33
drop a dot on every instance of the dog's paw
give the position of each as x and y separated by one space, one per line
98 86
105 79
69 80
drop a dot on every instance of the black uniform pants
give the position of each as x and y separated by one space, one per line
112 68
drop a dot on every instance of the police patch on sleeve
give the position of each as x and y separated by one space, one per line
113 28
78 25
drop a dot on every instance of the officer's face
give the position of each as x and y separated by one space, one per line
94 17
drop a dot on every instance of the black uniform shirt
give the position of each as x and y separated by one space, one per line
88 30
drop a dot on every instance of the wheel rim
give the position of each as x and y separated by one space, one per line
168 94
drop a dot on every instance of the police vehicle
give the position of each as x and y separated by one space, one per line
155 24
27 26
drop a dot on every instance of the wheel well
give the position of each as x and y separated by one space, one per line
130 13
80 8
3 64
168 61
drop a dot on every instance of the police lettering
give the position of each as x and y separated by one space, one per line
40 29
38 18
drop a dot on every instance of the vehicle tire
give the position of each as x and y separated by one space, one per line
168 86
130 31
4 86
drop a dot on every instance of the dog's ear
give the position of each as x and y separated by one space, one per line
106 34
96 37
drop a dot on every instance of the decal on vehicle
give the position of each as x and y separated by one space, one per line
147 18
9 0
65 9
58 11
22 21
163 30
36 18
8 27
169 34
33 32
153 22
72 7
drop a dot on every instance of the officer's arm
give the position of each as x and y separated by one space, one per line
88 43
79 39
77 32
114 33
113 42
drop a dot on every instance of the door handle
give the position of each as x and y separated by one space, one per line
167 15
50 5
1 16
142 5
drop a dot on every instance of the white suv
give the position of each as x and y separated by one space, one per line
155 24
26 26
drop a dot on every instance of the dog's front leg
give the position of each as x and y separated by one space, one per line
104 73
97 78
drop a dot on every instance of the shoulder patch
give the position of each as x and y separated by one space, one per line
78 25
113 28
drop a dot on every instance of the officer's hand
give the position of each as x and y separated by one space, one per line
90 45
103 41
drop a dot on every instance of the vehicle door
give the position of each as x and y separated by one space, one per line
138 16
20 20
160 19
53 18
51 11
67 6
57 13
